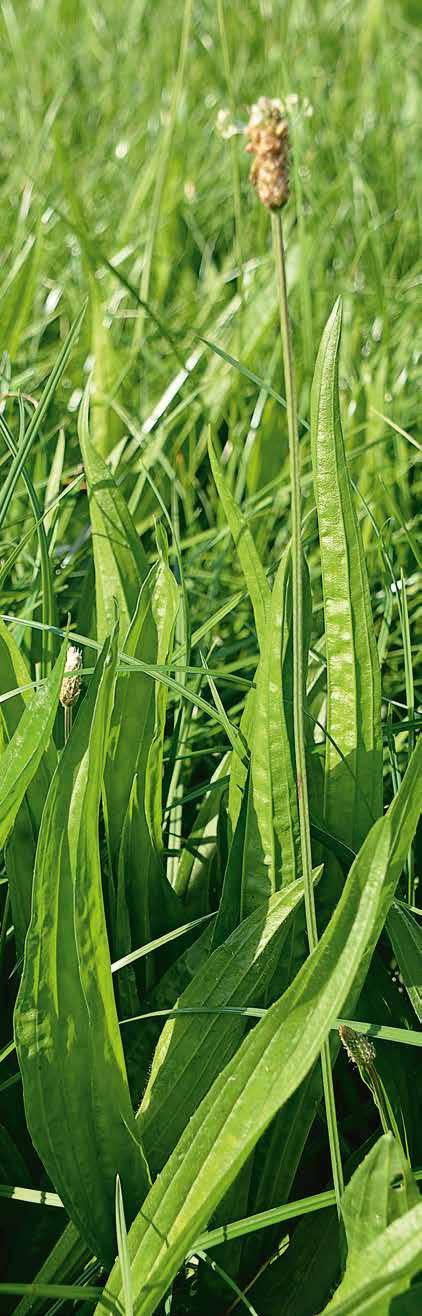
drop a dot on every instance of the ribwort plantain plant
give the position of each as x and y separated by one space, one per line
269 142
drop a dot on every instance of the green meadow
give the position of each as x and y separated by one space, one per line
210 937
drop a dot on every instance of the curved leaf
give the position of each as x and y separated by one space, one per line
381 1190
353 784
382 1269
67 1036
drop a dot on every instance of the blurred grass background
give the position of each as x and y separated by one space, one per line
109 157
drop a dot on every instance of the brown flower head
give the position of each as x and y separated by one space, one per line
268 135
359 1048
71 683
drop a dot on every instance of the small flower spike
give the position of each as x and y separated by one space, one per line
268 135
71 684
359 1048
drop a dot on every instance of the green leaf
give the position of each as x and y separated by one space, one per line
256 580
22 756
119 559
230 911
191 869
272 844
381 1190
132 719
382 1269
405 934
165 604
270 1064
146 904
147 907
271 852
122 1249
192 1050
70 1054
353 783
22 839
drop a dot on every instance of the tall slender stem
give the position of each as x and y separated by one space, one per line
299 674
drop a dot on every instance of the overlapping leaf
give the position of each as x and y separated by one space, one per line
270 1064
75 1087
193 1049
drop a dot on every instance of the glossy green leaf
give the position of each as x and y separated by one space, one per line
270 1064
405 934
193 1049
119 559
353 783
381 1190
21 757
66 1028
382 1269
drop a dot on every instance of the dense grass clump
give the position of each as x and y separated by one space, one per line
210 947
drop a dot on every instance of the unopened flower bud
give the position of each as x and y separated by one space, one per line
268 135
359 1048
71 683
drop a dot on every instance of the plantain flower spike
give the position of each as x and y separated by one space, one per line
360 1049
71 684
268 135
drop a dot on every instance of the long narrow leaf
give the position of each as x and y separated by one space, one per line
353 783
119 559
